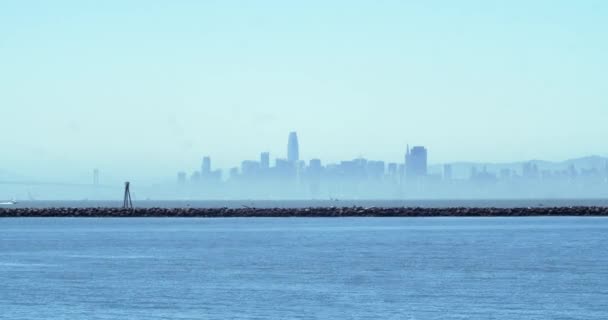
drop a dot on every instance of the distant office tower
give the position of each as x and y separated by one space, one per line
300 165
196 176
206 166
505 174
375 170
315 167
216 175
393 173
181 178
416 162
265 160
392 169
234 173
354 169
315 164
293 148
314 175
96 177
285 169
249 169
281 164
447 172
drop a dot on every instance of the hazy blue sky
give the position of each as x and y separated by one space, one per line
150 87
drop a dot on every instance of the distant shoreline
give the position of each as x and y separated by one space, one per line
303 212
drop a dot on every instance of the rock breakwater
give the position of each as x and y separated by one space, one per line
302 212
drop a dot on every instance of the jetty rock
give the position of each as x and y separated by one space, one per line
302 212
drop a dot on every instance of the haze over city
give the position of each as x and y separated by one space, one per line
144 90
289 177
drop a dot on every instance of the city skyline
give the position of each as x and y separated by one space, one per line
292 177
292 150
286 175
128 87
417 156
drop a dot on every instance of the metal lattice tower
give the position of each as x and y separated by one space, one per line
127 203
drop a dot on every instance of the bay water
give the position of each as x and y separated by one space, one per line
304 268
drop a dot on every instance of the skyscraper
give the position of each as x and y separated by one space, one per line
250 169
265 160
315 165
206 166
181 178
416 162
293 148
447 172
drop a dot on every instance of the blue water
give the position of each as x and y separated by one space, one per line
359 268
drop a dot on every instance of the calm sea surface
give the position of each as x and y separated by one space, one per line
300 268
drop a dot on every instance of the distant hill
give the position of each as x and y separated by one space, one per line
462 170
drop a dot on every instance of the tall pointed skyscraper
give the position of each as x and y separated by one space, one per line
293 149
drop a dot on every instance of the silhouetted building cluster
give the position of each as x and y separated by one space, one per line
371 179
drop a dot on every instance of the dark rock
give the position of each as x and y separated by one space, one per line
304 212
